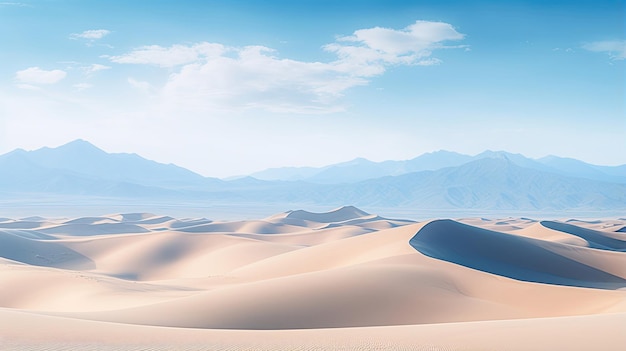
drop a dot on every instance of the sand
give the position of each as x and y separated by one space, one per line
344 280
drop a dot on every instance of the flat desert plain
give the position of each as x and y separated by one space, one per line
341 280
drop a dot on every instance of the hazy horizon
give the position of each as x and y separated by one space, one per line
225 88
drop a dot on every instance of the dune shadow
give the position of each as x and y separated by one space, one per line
507 255
20 225
595 238
41 253
81 229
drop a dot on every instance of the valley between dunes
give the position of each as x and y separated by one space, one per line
341 280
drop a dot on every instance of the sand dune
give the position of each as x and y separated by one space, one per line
168 255
12 224
37 250
282 281
338 215
82 229
569 333
596 239
91 220
513 256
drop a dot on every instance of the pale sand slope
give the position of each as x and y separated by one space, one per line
26 331
382 283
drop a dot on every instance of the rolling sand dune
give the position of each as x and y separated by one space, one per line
80 229
12 224
513 256
595 238
341 214
37 250
300 280
569 333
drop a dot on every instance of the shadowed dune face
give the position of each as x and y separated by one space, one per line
29 248
596 332
339 215
81 229
595 238
19 225
511 256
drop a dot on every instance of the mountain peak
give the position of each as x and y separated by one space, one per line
81 158
77 151
79 141
79 144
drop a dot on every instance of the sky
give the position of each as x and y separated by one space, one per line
228 88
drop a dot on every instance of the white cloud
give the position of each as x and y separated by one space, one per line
91 69
36 75
175 55
256 78
215 76
378 46
568 50
418 39
429 62
18 4
92 34
615 48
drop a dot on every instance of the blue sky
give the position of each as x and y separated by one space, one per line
231 87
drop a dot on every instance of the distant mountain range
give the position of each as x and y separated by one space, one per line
439 180
80 168
361 169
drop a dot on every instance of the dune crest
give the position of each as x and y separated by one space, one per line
340 214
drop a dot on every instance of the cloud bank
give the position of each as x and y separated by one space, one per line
175 55
92 34
36 75
219 76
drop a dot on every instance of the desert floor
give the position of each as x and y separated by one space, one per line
341 280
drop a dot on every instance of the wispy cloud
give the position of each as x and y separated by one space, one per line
257 77
18 4
96 67
38 76
92 34
86 69
175 55
568 50
429 62
616 49
369 51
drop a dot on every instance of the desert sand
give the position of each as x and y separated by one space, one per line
341 280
